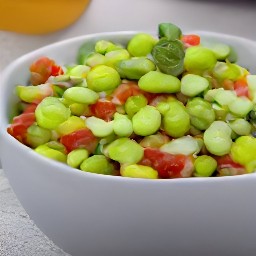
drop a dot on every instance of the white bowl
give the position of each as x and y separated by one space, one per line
96 215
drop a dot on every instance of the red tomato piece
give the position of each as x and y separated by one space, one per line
42 69
241 88
82 138
190 40
124 91
167 165
226 162
103 109
20 124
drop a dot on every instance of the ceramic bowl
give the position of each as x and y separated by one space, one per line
96 215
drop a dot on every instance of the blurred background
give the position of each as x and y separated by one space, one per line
226 16
18 234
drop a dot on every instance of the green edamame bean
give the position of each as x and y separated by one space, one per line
104 46
51 153
33 94
125 151
73 123
37 135
217 138
103 78
176 121
134 104
99 127
241 126
97 164
240 107
141 44
95 59
192 85
134 68
223 70
78 71
146 121
139 171
113 57
205 166
76 157
157 82
122 125
198 59
50 113
201 113
81 95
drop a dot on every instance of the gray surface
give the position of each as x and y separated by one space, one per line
18 234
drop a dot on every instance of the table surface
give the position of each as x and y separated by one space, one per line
18 234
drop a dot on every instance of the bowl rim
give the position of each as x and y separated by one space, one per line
60 167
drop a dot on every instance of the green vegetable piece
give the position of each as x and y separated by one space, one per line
104 46
125 151
33 94
241 126
51 153
76 157
50 113
113 57
169 56
134 104
192 85
99 127
37 135
73 123
185 145
241 106
198 59
251 80
94 59
141 44
146 121
139 171
176 121
103 78
169 30
157 82
224 97
79 71
220 50
217 138
84 51
243 150
81 95
97 164
226 70
251 167
134 68
205 166
154 141
201 113
122 125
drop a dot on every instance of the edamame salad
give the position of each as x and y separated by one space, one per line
160 107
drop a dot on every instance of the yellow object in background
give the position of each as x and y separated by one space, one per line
39 16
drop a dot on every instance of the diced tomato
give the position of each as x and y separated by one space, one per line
20 124
124 91
241 87
167 165
226 162
82 138
190 40
30 108
57 70
103 109
42 69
